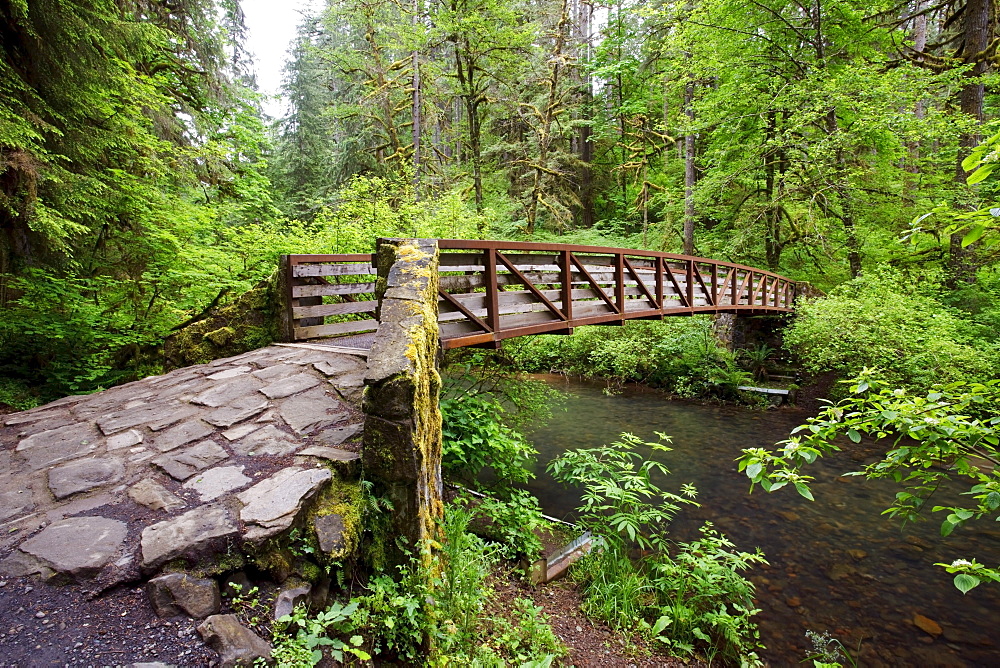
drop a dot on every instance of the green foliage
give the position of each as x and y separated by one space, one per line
16 395
877 321
704 599
474 439
934 439
689 596
312 636
527 638
442 608
621 502
251 608
510 521
680 355
829 652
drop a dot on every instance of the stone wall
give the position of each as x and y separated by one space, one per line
402 436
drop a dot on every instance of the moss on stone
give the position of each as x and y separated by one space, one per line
275 559
248 322
344 498
221 336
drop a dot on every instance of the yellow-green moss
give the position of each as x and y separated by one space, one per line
275 560
221 336
344 498
248 322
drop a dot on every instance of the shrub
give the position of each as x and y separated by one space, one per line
680 355
875 321
474 439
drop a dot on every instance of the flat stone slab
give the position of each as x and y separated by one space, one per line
331 454
227 392
273 503
182 464
306 413
240 409
268 440
336 366
155 416
125 439
155 496
230 373
175 437
333 437
195 533
77 546
85 474
213 483
48 447
290 385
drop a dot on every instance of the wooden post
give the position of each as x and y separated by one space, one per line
659 282
689 278
715 284
620 283
567 286
492 290
286 324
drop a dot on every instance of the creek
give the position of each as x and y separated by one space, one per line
836 564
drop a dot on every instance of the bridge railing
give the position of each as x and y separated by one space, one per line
494 290
322 286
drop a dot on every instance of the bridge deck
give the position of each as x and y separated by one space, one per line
495 290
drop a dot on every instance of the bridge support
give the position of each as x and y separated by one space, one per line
402 436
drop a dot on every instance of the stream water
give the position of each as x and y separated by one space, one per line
836 564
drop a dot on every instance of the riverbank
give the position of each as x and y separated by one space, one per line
836 565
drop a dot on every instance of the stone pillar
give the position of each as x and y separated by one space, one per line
723 326
402 437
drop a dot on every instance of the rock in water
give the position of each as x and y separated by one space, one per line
927 625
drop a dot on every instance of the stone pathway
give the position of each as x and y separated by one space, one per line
106 488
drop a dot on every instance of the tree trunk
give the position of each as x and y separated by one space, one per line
977 34
689 173
416 107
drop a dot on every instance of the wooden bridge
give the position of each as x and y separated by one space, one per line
496 290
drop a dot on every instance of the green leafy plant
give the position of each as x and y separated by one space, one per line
312 636
475 439
620 500
526 638
755 359
704 599
510 522
829 652
250 608
689 596
878 321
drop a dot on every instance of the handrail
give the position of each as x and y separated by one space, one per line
472 244
494 290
